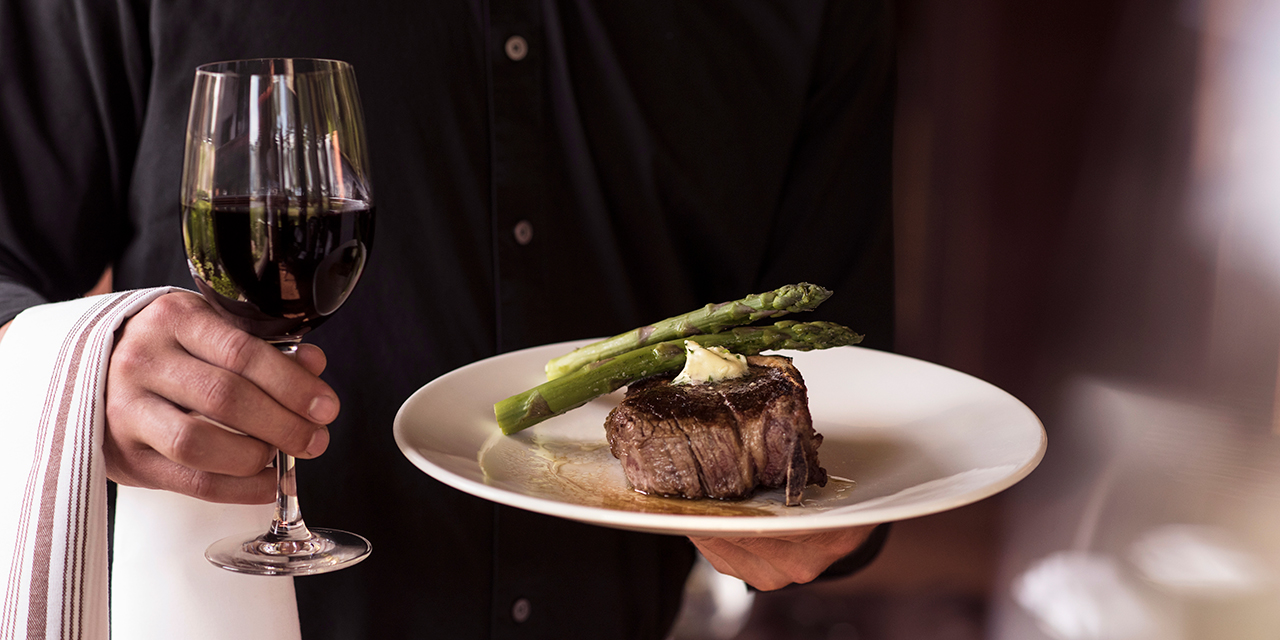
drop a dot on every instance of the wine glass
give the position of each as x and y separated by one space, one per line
277 221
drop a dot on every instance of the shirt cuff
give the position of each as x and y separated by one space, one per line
16 298
859 558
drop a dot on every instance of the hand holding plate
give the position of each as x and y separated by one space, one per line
773 563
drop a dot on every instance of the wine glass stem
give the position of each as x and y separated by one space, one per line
287 523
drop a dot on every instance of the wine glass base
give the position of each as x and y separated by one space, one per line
262 555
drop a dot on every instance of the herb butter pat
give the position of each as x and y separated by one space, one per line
710 365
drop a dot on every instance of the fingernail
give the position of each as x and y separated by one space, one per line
319 442
323 409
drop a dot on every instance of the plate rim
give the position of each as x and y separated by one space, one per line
703 525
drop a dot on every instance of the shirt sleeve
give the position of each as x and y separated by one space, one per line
73 76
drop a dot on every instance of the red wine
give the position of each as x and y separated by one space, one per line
277 267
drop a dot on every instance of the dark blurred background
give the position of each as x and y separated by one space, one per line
1088 216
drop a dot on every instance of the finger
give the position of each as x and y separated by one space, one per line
732 560
799 562
208 337
151 470
708 551
197 444
828 545
786 559
835 543
312 358
134 465
223 396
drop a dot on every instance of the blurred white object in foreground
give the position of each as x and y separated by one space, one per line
1159 517
1198 561
716 606
1075 595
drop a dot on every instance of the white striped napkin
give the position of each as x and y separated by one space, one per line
53 516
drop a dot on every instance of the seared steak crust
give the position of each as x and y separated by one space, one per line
719 440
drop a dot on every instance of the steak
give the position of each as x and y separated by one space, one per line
719 439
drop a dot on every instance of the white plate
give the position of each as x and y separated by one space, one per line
902 438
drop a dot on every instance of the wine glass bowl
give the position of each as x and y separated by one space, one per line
277 223
277 269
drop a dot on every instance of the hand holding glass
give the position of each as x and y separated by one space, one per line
277 220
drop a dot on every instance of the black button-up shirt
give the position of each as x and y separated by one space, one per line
543 171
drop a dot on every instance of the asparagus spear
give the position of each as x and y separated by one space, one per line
709 319
555 397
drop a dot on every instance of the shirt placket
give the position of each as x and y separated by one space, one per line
518 140
516 68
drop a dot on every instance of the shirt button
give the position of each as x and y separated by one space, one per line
523 232
517 48
521 609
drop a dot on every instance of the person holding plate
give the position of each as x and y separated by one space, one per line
544 172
